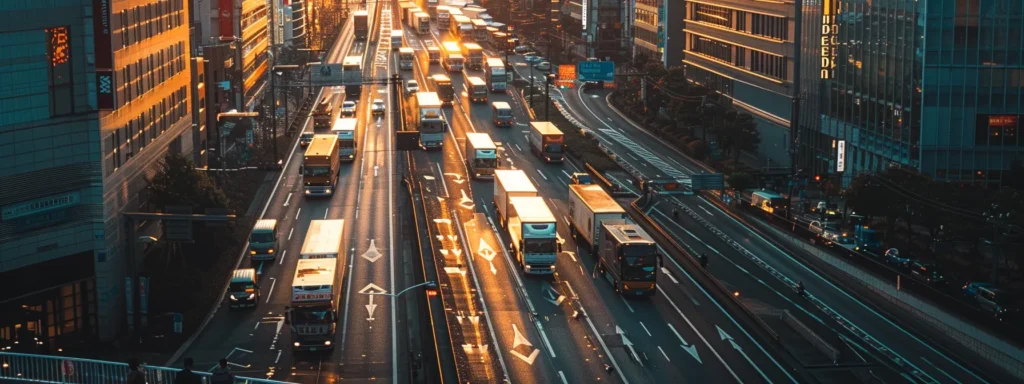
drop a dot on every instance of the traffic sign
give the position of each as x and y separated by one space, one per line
707 181
595 70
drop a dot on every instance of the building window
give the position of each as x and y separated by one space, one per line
768 64
711 14
769 26
741 57
58 49
711 48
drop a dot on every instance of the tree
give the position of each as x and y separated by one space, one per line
739 133
697 149
742 181
179 183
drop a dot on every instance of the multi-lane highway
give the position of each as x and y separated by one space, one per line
764 274
257 342
679 335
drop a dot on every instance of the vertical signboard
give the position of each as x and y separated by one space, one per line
227 17
841 156
829 37
128 304
143 301
104 54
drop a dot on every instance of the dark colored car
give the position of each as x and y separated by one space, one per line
581 178
927 273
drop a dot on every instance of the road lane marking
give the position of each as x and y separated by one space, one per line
289 198
273 282
278 356
542 174
562 375
664 354
279 262
701 336
348 296
566 174
666 272
704 209
627 303
297 213
517 147
290 232
443 182
645 329
325 213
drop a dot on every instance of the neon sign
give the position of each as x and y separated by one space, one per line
829 37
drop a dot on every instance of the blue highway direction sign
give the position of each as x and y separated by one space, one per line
595 70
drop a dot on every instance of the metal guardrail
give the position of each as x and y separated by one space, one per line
23 367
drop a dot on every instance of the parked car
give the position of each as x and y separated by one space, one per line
581 178
348 108
378 107
411 87
844 242
927 273
544 66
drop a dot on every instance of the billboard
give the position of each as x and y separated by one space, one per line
841 156
325 73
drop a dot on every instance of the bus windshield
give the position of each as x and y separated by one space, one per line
553 148
312 315
639 262
539 245
316 170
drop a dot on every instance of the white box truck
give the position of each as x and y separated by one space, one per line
590 207
481 155
533 233
323 239
312 316
508 183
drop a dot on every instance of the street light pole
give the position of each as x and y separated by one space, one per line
273 107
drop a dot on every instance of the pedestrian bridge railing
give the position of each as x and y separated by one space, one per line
23 367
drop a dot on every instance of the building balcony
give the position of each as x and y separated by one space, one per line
646 45
643 25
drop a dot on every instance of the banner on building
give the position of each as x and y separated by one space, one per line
841 156
829 37
226 18
101 34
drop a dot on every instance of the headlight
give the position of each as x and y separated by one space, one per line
296 344
252 296
252 252
233 298
552 267
327 191
271 250
308 192
328 342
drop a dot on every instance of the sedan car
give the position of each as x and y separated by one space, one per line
533 59
348 108
522 48
843 241
378 107
411 87
544 66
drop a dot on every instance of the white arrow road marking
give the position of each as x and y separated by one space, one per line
628 344
466 202
458 177
553 296
443 221
428 177
370 308
522 340
725 336
372 288
372 254
689 348
452 238
440 238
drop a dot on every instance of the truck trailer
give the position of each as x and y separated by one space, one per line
361 24
533 232
323 239
546 141
320 166
430 121
345 129
590 207
509 183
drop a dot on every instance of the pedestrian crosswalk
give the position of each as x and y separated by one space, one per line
644 154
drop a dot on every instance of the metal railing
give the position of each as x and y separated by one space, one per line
24 367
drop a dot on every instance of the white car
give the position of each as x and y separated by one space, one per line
348 108
544 66
411 87
378 107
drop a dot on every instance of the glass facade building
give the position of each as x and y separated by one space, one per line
931 85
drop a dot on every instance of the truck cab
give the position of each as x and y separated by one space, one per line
501 114
263 240
243 290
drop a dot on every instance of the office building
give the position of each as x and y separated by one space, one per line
292 23
658 30
596 28
245 23
938 90
745 50
95 94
